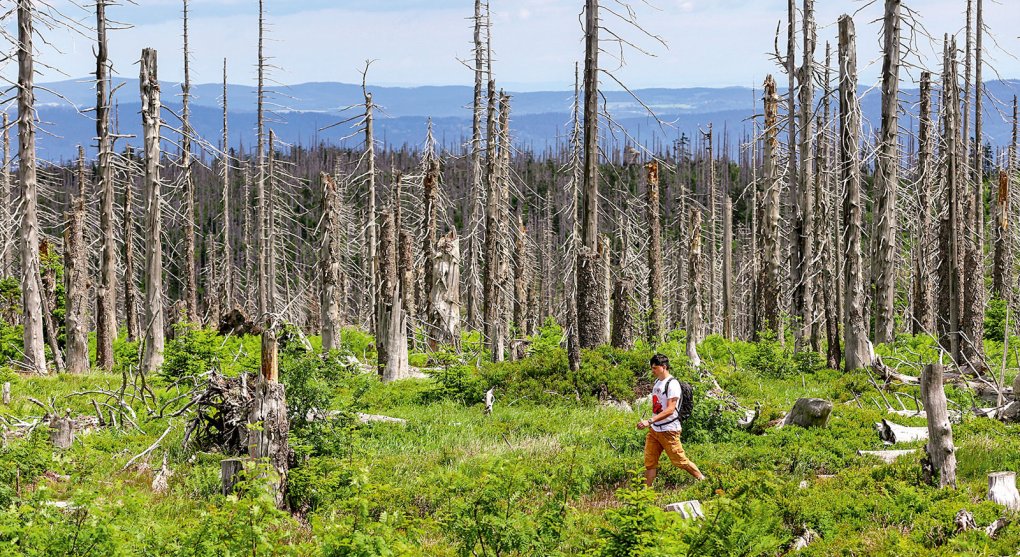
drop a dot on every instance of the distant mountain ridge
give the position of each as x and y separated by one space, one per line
538 119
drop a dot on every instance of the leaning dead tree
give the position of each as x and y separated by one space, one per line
855 332
31 298
154 337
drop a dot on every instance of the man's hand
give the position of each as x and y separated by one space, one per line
643 424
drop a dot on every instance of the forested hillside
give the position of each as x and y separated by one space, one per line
350 347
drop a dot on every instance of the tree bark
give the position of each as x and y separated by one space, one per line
154 338
106 294
76 279
35 355
855 331
940 448
268 442
330 264
391 327
623 315
887 179
924 319
656 296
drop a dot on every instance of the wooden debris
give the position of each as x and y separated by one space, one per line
993 529
804 540
617 405
161 481
894 433
1002 489
7 393
689 510
368 418
887 456
964 521
489 399
61 432
809 412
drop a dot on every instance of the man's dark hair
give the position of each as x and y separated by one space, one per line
660 360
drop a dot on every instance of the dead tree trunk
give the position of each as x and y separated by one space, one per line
7 198
767 288
495 246
802 182
940 448
476 218
695 263
391 327
444 305
656 296
330 264
522 263
48 287
855 331
130 289
924 320
431 186
405 254
887 179
828 231
727 269
35 355
949 234
1001 275
76 279
228 253
190 276
623 314
106 294
266 280
268 442
711 313
152 357
591 293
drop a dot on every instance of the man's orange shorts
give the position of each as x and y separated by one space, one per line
669 441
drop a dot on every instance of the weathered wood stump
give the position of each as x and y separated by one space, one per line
940 448
1002 489
230 474
809 412
268 441
689 510
894 433
61 432
7 393
964 521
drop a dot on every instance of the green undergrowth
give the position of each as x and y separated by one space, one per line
551 471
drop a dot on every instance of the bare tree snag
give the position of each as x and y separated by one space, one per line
152 357
887 178
431 186
1000 270
623 314
5 393
230 473
476 218
855 331
76 286
391 327
1002 490
591 297
656 296
727 275
330 256
444 304
190 276
767 285
266 280
7 198
35 355
268 441
521 282
950 273
106 294
695 263
803 271
47 283
923 314
228 252
940 448
128 233
405 254
495 242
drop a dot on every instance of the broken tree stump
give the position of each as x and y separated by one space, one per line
1002 489
809 412
7 393
894 433
268 441
964 521
940 446
688 509
61 432
887 456
230 474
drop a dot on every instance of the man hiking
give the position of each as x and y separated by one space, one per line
664 426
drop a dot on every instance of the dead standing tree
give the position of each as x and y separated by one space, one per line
804 223
228 254
106 294
190 276
476 203
656 296
330 256
887 179
855 332
152 357
31 298
495 241
391 326
767 286
76 285
950 273
266 281
923 308
695 268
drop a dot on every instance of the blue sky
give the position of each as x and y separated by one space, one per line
420 42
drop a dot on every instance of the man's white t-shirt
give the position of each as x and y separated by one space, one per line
662 391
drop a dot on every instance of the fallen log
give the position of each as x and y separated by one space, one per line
893 433
887 456
993 529
689 510
367 418
809 412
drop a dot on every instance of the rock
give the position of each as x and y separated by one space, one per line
809 412
1010 412
1016 388
688 509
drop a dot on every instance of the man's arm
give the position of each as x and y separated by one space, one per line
666 413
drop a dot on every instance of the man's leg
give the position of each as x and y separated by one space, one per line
675 451
653 450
